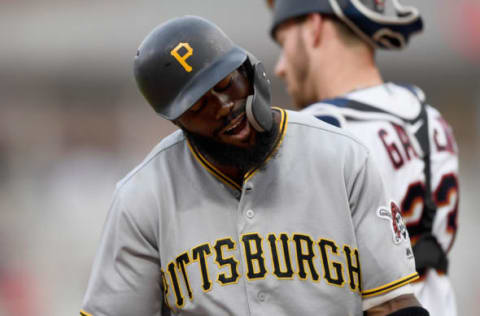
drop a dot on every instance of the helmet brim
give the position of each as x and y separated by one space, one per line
203 81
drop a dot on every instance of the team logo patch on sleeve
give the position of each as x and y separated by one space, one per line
393 214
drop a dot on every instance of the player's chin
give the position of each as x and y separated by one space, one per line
246 140
239 142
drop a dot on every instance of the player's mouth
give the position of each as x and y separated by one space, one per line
237 128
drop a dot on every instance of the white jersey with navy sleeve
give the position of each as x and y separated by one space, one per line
385 129
311 231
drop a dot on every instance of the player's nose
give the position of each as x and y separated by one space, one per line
225 104
224 110
280 67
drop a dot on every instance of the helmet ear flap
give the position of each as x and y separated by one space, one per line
258 110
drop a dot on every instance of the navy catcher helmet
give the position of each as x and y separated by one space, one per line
366 18
183 58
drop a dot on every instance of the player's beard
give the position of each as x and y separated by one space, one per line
229 155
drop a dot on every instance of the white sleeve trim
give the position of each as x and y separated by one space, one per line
377 300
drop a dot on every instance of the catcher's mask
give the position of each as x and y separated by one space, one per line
367 18
183 58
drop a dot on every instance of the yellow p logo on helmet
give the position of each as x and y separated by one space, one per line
182 59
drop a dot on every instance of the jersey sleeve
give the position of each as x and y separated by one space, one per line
125 278
385 254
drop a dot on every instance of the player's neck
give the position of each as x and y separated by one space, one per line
347 72
344 83
237 171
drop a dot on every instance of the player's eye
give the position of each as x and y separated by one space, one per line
224 84
198 105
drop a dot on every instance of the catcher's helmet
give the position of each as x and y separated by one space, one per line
183 58
366 18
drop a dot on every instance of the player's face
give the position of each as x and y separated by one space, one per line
293 63
220 113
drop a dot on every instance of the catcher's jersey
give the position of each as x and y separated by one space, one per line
400 161
310 232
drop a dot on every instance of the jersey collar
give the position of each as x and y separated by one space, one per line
226 179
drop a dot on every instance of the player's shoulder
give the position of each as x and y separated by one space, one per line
309 121
401 100
387 101
433 112
329 133
167 146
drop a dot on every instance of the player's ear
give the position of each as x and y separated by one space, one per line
314 25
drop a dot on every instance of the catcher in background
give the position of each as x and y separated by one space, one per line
223 218
328 65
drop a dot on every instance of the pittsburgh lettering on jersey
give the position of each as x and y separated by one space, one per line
230 262
281 256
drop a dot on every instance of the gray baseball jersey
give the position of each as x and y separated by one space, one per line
311 231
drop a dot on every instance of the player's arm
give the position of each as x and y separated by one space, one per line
386 258
401 305
125 277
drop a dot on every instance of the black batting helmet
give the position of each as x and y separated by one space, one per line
366 18
183 58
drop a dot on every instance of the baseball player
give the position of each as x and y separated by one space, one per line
327 63
236 213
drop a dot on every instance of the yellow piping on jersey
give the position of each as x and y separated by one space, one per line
224 178
84 313
281 133
211 168
390 286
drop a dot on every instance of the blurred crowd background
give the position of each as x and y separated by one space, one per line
72 123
